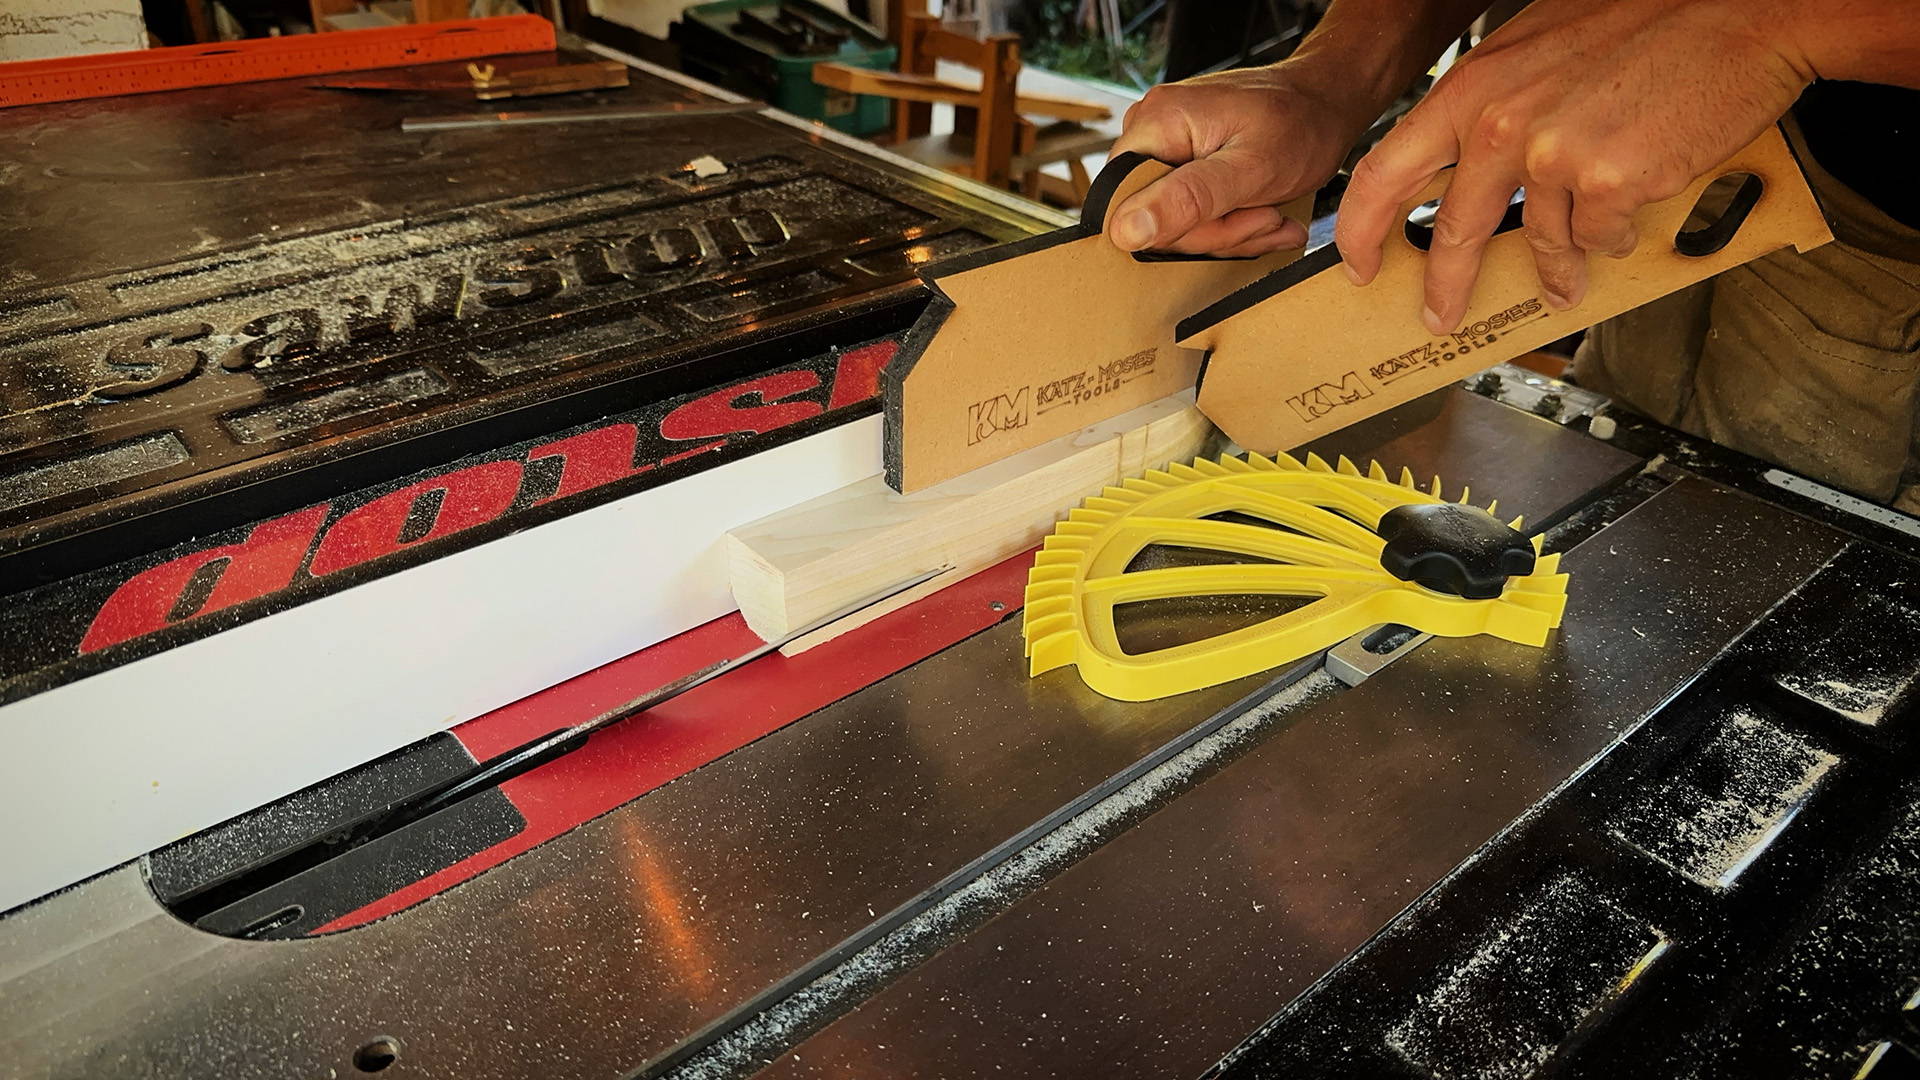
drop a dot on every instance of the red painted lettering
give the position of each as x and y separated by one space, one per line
685 454
474 495
720 413
857 377
591 458
265 561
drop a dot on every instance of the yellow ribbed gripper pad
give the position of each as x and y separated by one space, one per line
1325 549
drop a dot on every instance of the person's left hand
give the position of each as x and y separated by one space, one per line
1596 110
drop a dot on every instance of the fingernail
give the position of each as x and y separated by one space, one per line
1432 319
1352 274
1556 301
1134 230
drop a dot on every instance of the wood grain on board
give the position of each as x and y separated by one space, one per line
1305 351
802 563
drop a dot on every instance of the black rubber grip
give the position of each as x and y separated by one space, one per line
1453 548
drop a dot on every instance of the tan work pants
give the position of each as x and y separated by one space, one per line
1809 361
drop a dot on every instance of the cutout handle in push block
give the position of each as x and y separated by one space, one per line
1304 351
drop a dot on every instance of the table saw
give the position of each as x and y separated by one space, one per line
336 459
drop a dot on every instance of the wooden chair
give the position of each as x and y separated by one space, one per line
993 140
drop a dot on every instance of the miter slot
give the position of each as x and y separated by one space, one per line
974 895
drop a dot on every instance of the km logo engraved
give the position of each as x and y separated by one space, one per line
1317 402
1003 412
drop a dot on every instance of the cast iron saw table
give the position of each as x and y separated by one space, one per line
1681 839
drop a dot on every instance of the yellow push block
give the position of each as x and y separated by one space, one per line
1333 553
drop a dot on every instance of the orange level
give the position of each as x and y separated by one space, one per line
70 78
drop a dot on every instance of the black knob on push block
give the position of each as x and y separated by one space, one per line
1452 548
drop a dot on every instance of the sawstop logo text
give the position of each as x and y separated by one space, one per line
337 544
160 355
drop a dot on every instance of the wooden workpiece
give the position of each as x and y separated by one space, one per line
1305 351
802 563
1040 338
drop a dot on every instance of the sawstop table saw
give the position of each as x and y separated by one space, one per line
339 459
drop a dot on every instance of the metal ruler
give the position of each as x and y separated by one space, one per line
1839 500
72 78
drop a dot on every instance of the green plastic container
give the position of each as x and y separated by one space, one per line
767 48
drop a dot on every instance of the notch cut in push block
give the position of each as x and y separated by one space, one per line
1036 339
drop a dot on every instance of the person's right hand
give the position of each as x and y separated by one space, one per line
1243 142
1596 110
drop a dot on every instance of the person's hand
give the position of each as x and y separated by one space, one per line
1595 109
1243 142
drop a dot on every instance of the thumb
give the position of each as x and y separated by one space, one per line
1191 195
